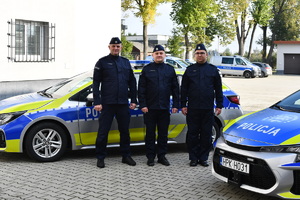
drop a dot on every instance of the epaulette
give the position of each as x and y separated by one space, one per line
124 58
212 65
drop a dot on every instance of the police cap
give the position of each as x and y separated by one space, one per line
200 47
158 48
115 40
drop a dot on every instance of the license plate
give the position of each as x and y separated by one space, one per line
235 165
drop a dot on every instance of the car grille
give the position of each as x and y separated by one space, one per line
260 175
238 146
296 187
2 140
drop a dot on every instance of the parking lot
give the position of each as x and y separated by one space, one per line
77 177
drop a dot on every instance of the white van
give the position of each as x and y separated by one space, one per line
235 65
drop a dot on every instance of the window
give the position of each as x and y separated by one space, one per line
227 60
31 41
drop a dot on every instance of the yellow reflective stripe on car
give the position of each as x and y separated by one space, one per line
25 106
235 120
77 139
293 140
136 134
12 146
289 195
175 130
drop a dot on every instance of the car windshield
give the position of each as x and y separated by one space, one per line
291 103
67 86
247 61
183 63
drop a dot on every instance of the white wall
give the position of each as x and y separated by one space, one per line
83 31
285 49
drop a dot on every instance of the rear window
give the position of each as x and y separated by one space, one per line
227 60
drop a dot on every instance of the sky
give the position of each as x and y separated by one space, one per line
164 25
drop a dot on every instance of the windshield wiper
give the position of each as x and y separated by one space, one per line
45 94
279 107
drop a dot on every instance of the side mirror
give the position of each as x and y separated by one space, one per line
89 100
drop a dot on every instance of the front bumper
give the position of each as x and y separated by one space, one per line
269 173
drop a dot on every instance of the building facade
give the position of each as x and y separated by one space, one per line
288 57
47 41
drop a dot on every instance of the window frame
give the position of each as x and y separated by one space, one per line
31 41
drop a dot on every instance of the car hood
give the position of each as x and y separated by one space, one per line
268 127
23 102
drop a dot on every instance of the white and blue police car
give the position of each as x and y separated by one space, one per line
46 123
260 151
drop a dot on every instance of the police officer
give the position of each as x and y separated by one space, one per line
116 77
201 84
157 82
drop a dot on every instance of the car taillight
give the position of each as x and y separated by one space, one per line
234 99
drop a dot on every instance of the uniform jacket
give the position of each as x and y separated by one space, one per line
157 82
116 77
201 84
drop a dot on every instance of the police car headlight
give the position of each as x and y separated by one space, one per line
281 149
8 117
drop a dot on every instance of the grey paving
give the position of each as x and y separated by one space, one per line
76 176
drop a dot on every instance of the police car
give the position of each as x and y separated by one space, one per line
260 151
47 123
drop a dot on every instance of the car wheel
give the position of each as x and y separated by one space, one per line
247 74
215 132
262 74
46 142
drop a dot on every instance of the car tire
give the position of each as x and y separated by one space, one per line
262 74
247 74
46 142
215 132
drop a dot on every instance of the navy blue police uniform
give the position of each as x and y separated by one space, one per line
156 83
201 85
118 83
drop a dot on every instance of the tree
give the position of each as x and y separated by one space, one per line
126 48
175 44
261 13
146 10
285 24
191 17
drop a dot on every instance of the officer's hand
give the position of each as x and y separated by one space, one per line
98 107
132 106
218 111
174 110
144 110
184 110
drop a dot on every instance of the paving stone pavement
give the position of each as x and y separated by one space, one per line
76 176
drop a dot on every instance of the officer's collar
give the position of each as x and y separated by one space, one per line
114 57
201 64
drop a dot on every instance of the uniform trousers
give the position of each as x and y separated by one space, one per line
122 114
199 134
161 119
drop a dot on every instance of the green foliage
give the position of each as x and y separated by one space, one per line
126 48
285 24
227 52
146 10
175 44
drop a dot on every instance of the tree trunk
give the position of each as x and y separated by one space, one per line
269 58
187 46
264 50
251 41
145 40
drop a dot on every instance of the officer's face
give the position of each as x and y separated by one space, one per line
200 56
115 49
159 56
